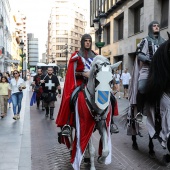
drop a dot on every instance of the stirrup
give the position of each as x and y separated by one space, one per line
66 130
139 117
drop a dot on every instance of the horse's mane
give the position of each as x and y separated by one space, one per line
159 74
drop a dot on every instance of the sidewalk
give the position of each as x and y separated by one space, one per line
15 150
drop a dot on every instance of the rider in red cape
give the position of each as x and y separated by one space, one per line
78 68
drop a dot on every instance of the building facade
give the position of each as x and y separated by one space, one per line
127 23
5 36
33 50
19 33
65 29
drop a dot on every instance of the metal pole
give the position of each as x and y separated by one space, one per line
100 32
22 63
66 58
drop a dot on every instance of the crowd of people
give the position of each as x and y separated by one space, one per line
45 89
44 86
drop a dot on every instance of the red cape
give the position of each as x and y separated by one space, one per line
70 84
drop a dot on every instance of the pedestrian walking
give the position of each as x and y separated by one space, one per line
9 81
125 79
4 95
117 82
50 84
38 88
16 86
0 74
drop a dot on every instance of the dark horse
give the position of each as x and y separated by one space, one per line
158 100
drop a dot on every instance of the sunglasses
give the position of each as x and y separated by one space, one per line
15 73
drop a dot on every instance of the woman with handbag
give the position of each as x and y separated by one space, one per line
16 86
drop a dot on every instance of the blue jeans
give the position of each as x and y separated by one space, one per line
16 101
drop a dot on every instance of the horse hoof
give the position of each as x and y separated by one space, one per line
135 147
87 160
165 160
101 159
152 155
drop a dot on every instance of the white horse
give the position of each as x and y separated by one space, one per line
93 110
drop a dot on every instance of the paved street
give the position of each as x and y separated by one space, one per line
31 143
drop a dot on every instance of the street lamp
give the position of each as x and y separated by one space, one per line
67 50
99 22
22 55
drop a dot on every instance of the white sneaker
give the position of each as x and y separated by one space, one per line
15 117
18 116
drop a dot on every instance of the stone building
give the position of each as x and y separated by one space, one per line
19 33
33 51
65 27
127 23
5 36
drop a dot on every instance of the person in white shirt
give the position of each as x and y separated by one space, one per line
125 79
16 86
117 82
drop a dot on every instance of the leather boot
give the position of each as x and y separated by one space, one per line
51 113
47 111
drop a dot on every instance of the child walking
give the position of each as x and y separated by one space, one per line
4 95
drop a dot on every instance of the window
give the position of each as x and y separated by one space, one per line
62 40
61 32
60 47
57 55
76 20
138 19
81 29
76 35
76 42
164 13
106 34
120 28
